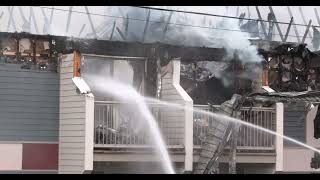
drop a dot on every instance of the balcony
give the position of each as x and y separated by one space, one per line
115 128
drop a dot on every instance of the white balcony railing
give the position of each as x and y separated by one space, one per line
117 124
249 138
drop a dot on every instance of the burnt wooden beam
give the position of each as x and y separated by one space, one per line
276 23
81 30
126 26
51 15
304 20
112 31
91 23
317 15
306 32
32 17
11 20
288 30
121 34
166 26
261 23
294 26
69 19
146 26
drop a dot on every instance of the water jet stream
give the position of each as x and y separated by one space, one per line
129 94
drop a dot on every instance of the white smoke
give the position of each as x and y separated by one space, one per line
221 33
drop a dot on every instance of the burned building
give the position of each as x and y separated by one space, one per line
40 95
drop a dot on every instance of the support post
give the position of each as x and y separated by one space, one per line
279 140
307 30
261 23
294 26
288 30
276 23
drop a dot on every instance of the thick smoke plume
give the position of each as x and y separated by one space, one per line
221 33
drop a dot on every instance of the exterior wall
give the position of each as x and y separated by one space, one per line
76 123
297 159
29 104
179 123
29 108
294 122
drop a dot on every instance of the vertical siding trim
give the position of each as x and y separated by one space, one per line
279 140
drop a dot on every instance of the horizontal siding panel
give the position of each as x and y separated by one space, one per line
75 110
71 156
75 104
67 87
51 93
66 70
24 127
71 162
28 98
66 76
72 98
23 74
70 127
67 64
72 145
74 121
28 116
34 81
25 107
29 86
30 138
19 110
72 140
72 150
69 133
67 168
72 116
30 119
25 133
68 93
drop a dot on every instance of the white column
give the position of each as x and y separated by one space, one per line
279 140
188 125
89 133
